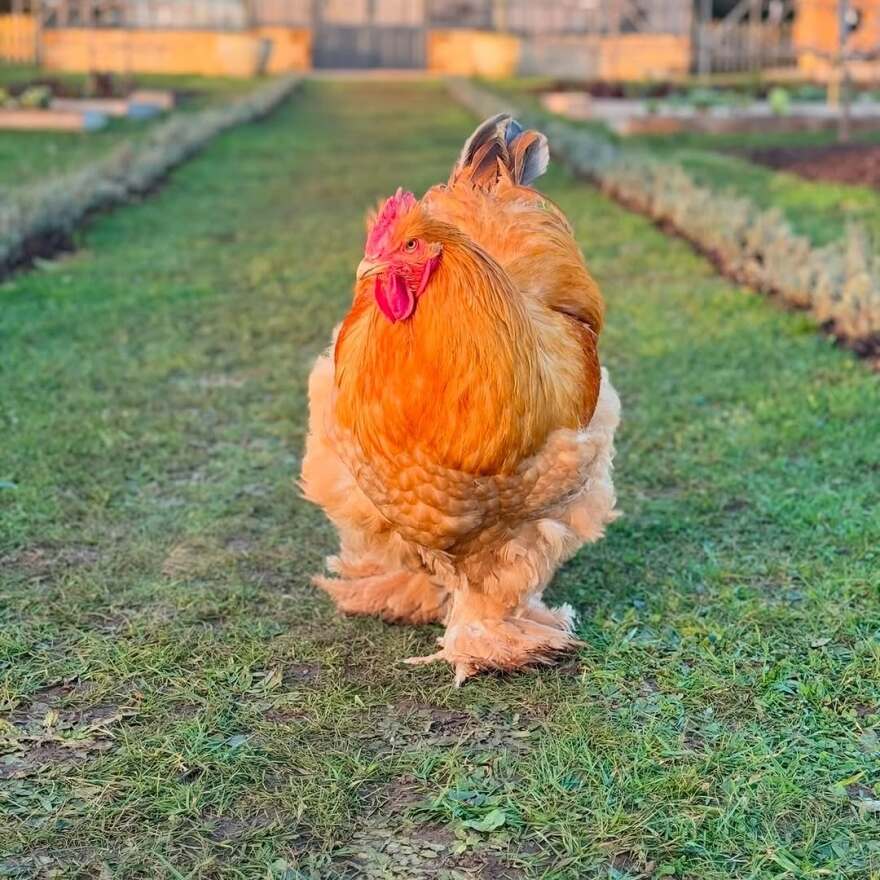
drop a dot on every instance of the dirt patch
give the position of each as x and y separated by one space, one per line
858 791
391 846
47 246
407 724
425 852
392 798
44 862
49 697
857 164
692 741
300 674
630 866
43 561
193 559
44 735
610 89
285 715
229 829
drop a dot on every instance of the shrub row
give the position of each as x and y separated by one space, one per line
34 216
838 283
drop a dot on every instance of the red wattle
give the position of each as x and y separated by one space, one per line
394 298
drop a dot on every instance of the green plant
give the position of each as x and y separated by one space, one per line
36 97
780 101
809 92
703 99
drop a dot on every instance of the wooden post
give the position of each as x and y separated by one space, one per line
499 15
704 30
37 13
755 8
843 130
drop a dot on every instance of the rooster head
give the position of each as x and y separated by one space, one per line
398 259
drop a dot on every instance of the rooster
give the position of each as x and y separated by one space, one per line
461 427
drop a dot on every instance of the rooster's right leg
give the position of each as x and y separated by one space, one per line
487 633
498 620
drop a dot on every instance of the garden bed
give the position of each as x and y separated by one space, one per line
63 118
857 164
708 114
838 283
86 105
101 87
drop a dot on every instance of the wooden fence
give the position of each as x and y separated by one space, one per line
18 39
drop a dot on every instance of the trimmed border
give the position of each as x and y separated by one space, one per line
37 220
838 283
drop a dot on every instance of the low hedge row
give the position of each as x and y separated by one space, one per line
838 283
34 217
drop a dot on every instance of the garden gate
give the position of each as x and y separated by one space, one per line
369 33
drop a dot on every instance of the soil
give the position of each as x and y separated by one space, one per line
603 89
652 89
98 85
857 164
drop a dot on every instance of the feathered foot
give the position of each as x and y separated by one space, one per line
478 640
397 597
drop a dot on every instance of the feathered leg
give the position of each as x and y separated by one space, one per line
375 574
498 619
484 633
397 596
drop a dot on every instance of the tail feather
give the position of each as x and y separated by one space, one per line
484 132
501 145
530 155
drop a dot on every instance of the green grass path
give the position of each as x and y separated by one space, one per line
177 702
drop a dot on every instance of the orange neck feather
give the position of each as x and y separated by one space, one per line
458 381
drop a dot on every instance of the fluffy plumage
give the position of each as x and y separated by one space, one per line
461 429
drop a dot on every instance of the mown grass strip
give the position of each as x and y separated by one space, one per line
838 283
37 220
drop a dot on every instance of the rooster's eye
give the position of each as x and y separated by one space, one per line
411 244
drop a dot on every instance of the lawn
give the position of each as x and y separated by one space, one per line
32 156
177 700
817 210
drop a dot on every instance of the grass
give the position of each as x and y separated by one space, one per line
819 210
29 156
179 702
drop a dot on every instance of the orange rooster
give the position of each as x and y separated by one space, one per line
461 428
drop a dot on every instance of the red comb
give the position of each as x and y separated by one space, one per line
395 207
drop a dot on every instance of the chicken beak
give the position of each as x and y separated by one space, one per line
367 268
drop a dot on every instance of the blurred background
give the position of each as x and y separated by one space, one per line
579 39
784 75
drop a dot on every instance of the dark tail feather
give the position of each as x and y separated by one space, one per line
501 142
